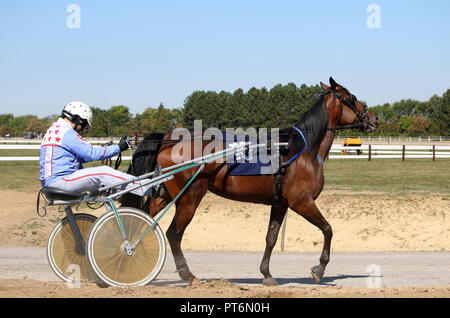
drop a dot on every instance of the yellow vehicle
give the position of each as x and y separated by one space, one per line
351 142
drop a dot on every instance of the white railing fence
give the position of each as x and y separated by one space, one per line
398 139
403 152
338 139
22 141
367 152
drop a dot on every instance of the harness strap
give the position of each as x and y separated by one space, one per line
320 159
37 205
302 151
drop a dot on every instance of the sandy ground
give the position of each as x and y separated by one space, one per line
363 222
211 289
366 222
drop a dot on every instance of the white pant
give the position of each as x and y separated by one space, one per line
90 179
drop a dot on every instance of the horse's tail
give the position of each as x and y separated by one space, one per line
144 161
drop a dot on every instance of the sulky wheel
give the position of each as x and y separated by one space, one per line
62 253
107 255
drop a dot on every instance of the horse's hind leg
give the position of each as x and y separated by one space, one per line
276 218
311 213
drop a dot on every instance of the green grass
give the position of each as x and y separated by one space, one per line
24 175
413 176
387 176
19 152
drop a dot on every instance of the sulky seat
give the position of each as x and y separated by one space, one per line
58 194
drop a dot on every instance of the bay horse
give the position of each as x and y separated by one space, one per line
309 142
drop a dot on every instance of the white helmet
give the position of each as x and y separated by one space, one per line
79 113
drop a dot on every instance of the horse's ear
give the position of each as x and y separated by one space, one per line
333 83
324 86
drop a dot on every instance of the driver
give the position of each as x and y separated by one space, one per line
63 152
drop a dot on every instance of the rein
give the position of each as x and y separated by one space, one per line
293 109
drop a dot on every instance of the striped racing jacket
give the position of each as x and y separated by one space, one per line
64 151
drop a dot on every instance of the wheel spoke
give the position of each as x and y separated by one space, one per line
109 260
119 266
62 248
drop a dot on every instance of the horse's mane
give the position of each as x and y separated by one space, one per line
144 159
313 125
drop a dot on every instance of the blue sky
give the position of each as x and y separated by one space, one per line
142 53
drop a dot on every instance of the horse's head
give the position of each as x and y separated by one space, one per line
347 111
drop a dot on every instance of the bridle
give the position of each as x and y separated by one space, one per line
350 102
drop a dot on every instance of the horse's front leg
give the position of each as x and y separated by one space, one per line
174 237
311 213
184 212
276 218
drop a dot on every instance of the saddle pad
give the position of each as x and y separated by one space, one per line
255 163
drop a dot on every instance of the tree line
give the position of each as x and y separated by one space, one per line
280 106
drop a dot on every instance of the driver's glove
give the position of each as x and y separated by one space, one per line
124 143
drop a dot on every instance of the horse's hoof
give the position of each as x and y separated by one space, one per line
194 282
186 275
317 273
270 281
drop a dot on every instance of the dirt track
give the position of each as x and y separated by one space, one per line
235 274
363 222
210 289
367 222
